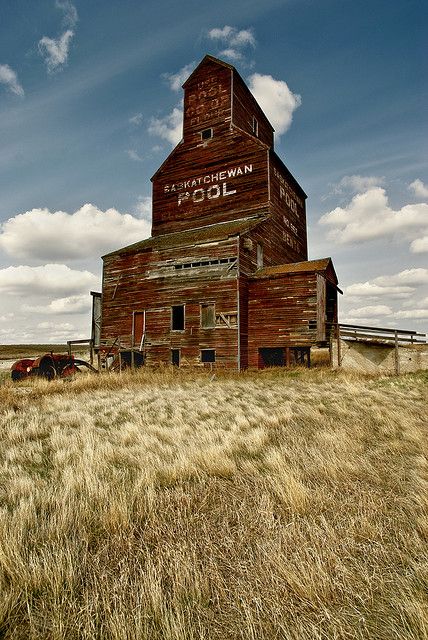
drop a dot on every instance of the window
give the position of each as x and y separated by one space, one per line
175 357
207 355
206 134
207 316
255 127
177 317
259 256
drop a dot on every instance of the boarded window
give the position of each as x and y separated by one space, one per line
207 355
207 316
177 317
175 357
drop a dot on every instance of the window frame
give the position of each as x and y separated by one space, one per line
207 304
175 306
205 351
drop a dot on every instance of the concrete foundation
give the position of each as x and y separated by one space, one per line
379 358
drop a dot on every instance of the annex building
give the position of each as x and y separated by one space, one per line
224 279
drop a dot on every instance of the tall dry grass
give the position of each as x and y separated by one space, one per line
178 506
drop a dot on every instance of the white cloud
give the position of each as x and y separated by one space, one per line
136 120
276 100
371 290
9 78
55 52
143 208
235 40
42 235
70 12
62 326
48 279
420 245
233 37
176 80
357 184
368 216
69 305
413 313
419 188
406 277
134 155
169 128
231 54
371 311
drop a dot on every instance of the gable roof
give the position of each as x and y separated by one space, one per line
208 58
199 235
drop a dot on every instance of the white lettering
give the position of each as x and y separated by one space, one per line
200 197
213 192
226 192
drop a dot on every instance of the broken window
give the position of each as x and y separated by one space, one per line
208 315
175 357
177 317
207 355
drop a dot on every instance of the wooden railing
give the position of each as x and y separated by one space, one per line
378 334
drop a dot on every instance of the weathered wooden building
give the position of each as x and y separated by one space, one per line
224 279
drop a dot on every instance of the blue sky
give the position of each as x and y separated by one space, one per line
90 106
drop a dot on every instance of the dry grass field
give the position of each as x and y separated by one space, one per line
182 506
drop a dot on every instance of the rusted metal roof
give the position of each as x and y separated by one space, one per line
294 267
199 235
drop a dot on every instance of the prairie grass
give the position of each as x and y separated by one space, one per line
179 505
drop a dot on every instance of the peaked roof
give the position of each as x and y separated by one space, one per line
209 58
199 235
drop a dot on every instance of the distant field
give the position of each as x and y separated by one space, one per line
175 505
15 351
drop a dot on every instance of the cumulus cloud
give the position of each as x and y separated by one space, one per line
69 305
420 245
233 37
57 279
368 216
143 208
371 311
276 99
235 41
420 314
55 52
419 189
176 80
42 235
169 128
356 184
371 290
9 78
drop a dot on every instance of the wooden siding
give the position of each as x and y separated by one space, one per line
282 312
225 180
245 108
288 208
148 281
